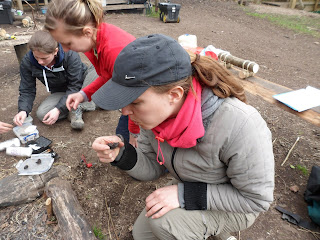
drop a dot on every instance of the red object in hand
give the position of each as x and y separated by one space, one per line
89 165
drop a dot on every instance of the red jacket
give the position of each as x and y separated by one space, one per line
110 41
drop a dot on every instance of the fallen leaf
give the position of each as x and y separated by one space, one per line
294 188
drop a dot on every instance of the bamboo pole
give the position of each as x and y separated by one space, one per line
239 62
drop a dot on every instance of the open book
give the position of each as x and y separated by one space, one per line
300 100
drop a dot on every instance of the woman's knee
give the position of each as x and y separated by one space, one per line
148 228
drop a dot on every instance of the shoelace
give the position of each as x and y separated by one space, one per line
78 112
159 150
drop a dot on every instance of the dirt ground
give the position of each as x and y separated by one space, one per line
111 199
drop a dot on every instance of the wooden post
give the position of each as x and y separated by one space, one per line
156 3
316 5
37 4
293 4
19 5
49 208
71 217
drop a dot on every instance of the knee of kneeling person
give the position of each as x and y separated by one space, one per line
40 114
152 227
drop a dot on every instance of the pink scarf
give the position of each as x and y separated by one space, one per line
183 130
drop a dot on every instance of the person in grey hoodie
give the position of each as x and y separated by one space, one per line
195 123
61 72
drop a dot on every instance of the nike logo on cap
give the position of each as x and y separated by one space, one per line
127 78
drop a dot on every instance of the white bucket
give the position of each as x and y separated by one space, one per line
188 40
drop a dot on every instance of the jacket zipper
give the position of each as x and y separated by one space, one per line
172 162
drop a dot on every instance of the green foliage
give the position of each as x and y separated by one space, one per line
299 24
151 12
303 169
98 233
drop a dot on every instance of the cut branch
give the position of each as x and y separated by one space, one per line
71 217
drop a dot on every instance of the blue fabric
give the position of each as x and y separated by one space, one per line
122 127
314 212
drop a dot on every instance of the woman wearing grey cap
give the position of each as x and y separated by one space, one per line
196 124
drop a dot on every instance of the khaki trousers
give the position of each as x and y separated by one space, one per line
194 225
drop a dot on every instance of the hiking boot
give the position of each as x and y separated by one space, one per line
88 106
75 117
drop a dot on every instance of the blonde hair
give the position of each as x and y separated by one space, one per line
75 14
212 74
42 41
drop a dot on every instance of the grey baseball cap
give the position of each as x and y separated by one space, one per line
152 60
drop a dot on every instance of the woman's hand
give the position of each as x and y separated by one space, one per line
162 201
5 127
51 117
104 152
19 118
74 100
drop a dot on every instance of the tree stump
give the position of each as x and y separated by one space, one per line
16 189
71 217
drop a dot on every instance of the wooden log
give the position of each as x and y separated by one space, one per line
16 189
71 217
241 63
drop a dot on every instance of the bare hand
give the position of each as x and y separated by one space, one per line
133 141
104 152
5 127
51 117
162 201
73 100
20 118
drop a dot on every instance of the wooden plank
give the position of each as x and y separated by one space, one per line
116 2
277 4
266 89
123 6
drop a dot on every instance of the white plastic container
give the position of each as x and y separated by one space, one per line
14 142
26 132
188 41
19 151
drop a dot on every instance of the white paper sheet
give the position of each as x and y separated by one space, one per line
300 100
